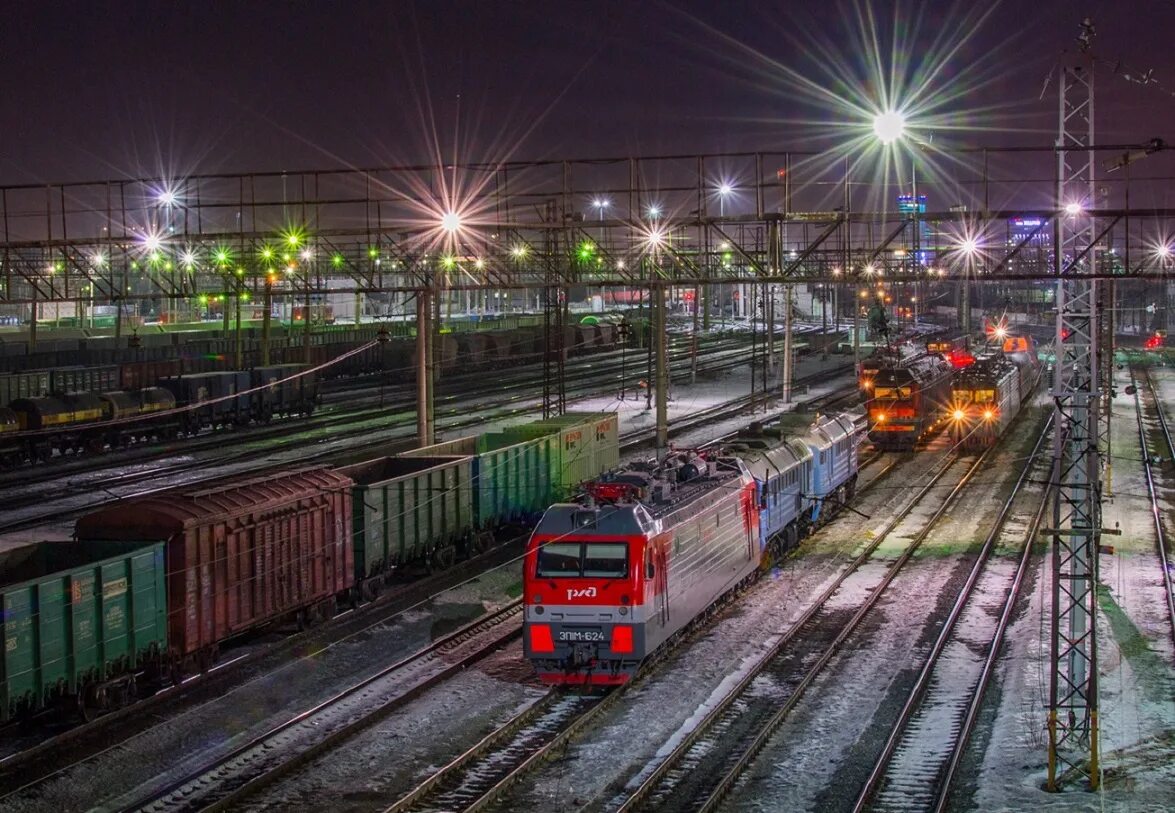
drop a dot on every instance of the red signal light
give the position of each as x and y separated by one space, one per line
960 359
540 638
621 639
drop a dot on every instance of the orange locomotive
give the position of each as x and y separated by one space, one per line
608 581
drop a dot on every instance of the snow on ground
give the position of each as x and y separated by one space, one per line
387 760
256 706
1136 675
687 399
821 755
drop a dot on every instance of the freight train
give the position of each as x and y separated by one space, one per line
611 578
987 395
152 588
89 408
909 401
35 426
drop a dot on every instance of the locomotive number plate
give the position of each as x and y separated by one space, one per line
581 635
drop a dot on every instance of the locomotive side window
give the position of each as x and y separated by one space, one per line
605 560
559 559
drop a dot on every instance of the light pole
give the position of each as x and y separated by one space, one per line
724 191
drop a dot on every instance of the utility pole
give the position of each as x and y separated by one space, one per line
265 317
306 320
424 428
787 346
662 377
1076 531
237 341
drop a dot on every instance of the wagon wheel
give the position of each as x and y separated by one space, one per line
370 589
82 708
482 541
444 557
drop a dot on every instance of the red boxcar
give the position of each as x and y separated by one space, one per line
241 554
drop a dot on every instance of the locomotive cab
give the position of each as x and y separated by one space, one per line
587 570
608 581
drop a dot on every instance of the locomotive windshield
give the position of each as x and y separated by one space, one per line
892 392
599 560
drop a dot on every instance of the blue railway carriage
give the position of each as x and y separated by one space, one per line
782 469
801 481
833 440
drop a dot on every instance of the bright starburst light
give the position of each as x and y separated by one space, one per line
880 95
889 126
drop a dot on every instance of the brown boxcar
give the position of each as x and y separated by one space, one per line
241 554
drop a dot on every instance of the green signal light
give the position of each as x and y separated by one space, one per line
337 260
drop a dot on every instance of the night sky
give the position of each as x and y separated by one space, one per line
107 90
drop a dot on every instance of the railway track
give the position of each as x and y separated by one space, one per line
218 783
1161 549
404 421
39 762
707 762
44 758
378 402
476 778
918 762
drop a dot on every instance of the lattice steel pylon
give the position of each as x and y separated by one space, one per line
1076 531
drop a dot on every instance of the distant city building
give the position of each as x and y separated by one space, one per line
1035 257
1032 229
906 204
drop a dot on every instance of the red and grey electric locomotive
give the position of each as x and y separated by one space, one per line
609 580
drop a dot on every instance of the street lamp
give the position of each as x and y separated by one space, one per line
724 191
889 126
601 204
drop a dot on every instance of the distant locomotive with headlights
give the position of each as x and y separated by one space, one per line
987 395
909 401
651 547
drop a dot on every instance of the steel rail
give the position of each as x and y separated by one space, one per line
469 776
637 798
43 748
383 608
583 369
919 690
1152 491
493 413
235 768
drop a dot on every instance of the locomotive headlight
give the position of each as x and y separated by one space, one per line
881 417
624 611
988 415
960 414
